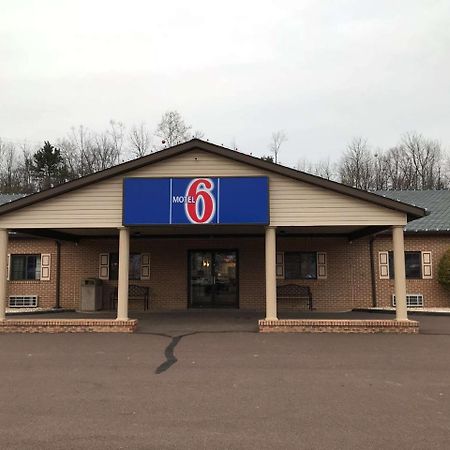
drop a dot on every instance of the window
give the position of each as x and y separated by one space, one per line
300 265
413 265
134 267
25 267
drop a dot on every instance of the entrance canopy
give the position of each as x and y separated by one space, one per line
198 188
295 199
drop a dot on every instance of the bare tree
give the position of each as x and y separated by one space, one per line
304 165
140 140
324 168
172 129
380 179
356 165
26 170
277 140
104 152
233 144
416 163
72 157
9 179
198 134
86 152
426 160
116 134
77 148
398 169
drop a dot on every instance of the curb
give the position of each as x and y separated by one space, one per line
389 311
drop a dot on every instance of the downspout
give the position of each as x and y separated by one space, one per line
58 276
372 272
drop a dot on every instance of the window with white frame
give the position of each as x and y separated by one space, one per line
138 269
25 267
413 265
418 265
299 265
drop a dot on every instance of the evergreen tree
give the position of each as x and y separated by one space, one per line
48 166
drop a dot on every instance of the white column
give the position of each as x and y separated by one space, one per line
122 288
399 271
3 274
271 279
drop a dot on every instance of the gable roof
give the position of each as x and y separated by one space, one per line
197 144
437 204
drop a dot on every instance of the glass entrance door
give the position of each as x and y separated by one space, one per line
213 279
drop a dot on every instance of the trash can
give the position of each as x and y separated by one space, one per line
91 294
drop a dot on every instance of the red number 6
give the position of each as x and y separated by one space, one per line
200 205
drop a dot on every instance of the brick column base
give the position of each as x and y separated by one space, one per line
338 326
68 326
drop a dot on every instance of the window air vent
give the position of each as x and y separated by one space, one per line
23 301
412 300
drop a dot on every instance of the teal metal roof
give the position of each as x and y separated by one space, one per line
7 198
437 204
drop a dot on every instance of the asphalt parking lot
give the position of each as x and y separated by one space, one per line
173 386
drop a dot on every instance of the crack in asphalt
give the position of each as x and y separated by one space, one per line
169 351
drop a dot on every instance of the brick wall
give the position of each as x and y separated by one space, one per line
347 284
45 290
168 270
434 294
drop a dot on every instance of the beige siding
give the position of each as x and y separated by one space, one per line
291 202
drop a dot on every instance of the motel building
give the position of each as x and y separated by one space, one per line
199 226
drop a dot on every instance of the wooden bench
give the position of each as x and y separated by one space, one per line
295 292
135 292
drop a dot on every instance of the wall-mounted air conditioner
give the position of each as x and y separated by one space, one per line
23 301
412 300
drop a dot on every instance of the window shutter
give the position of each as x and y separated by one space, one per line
383 265
427 273
321 265
45 266
103 266
279 266
8 266
145 266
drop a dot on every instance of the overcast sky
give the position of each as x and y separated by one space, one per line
323 71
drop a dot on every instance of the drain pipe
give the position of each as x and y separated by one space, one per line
372 272
58 276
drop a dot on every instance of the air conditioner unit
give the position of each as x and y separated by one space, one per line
23 301
412 300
